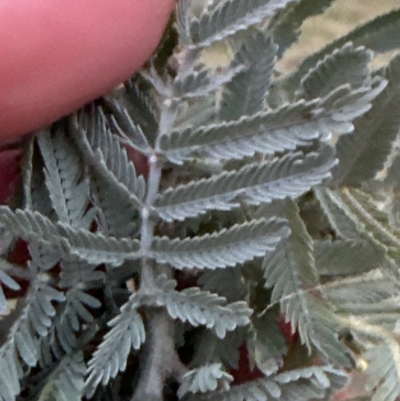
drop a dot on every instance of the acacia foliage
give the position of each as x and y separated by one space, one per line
265 198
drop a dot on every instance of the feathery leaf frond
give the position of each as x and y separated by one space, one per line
205 379
201 308
107 156
292 272
257 183
228 247
111 356
245 94
94 248
268 132
68 190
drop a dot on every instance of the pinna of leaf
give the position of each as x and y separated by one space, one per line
57 57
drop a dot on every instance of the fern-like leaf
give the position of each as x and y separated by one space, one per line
227 247
68 190
292 273
127 333
116 216
353 213
201 308
266 345
94 248
291 175
205 379
369 288
107 156
245 94
268 132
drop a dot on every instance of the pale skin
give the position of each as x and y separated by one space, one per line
58 55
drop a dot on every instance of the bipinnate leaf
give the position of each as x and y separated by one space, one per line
94 248
229 17
205 379
200 308
292 273
267 132
127 333
64 178
257 183
106 154
225 248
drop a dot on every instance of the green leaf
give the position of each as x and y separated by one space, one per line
292 273
201 308
94 248
257 183
204 379
227 247
268 132
245 94
68 190
110 358
267 345
106 154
